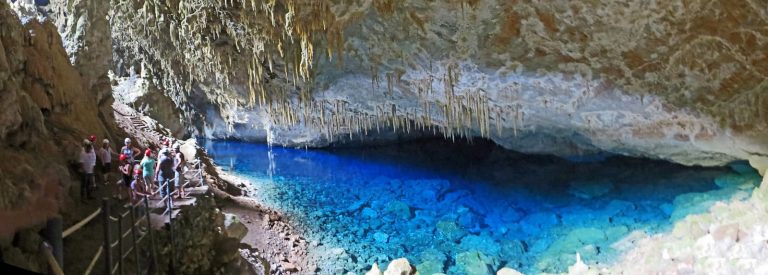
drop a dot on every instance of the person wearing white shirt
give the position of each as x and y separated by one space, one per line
87 162
105 155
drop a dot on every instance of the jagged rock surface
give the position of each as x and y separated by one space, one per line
45 112
543 77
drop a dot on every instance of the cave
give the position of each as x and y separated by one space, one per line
383 137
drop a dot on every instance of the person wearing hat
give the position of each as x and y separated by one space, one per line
148 168
105 155
125 169
138 187
87 162
129 151
164 172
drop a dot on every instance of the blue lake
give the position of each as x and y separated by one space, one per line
472 208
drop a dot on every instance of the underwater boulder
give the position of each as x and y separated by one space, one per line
369 213
380 181
471 262
511 250
560 253
425 192
582 216
380 237
399 209
450 230
590 189
432 261
696 203
533 223
430 267
482 243
745 181
615 207
467 218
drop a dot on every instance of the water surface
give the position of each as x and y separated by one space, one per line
460 208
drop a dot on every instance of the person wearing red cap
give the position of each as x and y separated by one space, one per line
148 168
138 187
125 168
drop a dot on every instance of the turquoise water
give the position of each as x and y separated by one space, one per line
471 208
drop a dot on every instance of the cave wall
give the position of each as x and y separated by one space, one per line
678 80
46 110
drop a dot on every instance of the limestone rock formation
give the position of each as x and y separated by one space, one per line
676 80
45 112
508 271
399 267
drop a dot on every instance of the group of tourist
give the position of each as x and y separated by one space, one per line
142 173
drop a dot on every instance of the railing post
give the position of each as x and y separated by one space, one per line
202 177
170 226
153 250
120 242
107 238
53 234
135 244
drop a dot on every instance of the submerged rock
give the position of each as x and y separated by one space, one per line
590 189
696 203
430 267
399 209
533 223
450 230
745 181
432 261
380 237
511 250
472 262
483 243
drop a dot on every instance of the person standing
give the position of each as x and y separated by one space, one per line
125 169
164 172
130 152
105 154
87 161
148 169
178 167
